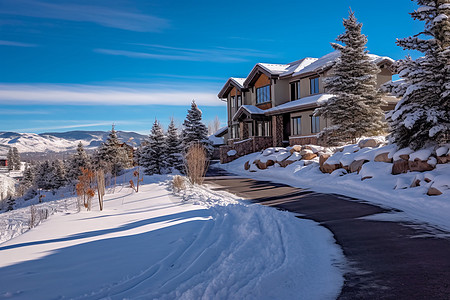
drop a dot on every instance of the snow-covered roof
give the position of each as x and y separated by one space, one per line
216 141
220 131
298 65
303 102
320 64
238 81
275 69
3 157
248 109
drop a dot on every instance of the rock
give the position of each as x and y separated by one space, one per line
404 156
305 151
366 177
326 168
432 191
296 148
285 163
419 166
260 165
400 166
323 158
443 159
308 162
356 165
309 156
415 183
383 157
368 143
307 147
270 162
247 165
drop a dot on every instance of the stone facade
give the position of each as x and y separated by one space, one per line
245 147
303 140
277 130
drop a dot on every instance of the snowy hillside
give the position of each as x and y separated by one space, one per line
155 245
60 141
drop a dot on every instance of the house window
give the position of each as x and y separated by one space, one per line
250 128
295 90
232 101
297 126
235 131
314 85
263 128
263 94
239 101
315 124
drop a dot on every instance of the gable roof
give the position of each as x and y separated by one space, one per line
231 82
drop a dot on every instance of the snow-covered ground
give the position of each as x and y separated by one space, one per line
380 187
199 244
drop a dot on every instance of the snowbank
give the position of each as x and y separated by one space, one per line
152 244
373 182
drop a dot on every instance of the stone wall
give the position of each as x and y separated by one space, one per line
277 130
305 140
244 147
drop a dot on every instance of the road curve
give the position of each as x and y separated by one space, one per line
396 259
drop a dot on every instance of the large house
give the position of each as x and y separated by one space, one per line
274 104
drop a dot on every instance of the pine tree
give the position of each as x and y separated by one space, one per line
59 178
153 154
111 155
174 148
10 159
422 117
193 128
355 110
45 176
76 162
16 158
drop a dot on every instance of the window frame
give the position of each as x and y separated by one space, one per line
239 101
314 88
295 91
296 125
263 94
315 124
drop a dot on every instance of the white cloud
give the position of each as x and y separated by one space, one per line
106 95
16 44
102 15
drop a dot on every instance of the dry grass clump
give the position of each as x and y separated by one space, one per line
196 162
178 183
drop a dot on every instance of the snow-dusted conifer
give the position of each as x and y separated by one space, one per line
153 154
422 116
59 178
10 159
76 162
193 128
45 176
16 158
111 155
355 110
174 148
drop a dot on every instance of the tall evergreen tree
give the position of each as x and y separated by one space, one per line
59 178
355 110
174 148
10 159
111 155
422 116
193 128
153 155
76 162
16 158
45 176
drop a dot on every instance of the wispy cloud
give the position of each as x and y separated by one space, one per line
16 44
163 52
4 111
76 125
107 95
102 15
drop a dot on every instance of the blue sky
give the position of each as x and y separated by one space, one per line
83 65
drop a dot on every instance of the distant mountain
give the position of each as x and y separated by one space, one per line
61 141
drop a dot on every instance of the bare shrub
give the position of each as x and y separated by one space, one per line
33 216
196 163
178 183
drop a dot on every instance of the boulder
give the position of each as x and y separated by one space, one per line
285 163
400 166
420 165
443 159
383 157
323 158
326 168
305 151
260 165
415 183
368 143
432 191
296 148
247 165
309 156
366 177
356 165
307 147
404 156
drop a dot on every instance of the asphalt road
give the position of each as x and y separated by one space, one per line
386 259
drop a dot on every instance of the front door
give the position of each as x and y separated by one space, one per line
286 127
